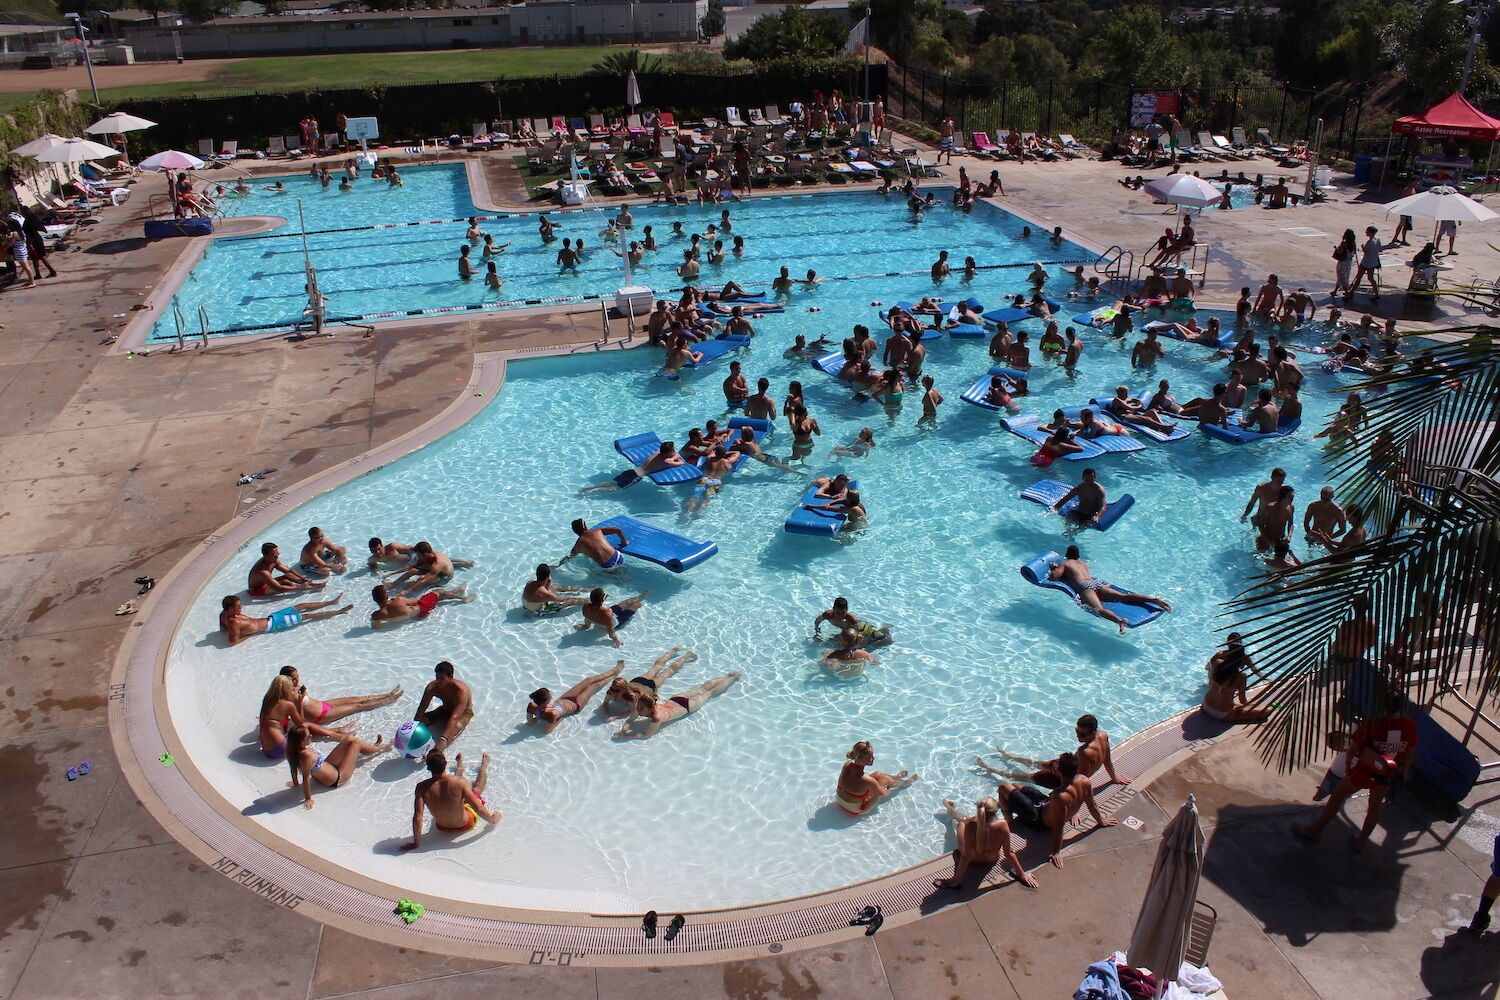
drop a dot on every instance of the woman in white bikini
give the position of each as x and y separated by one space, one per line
1226 699
858 792
542 708
329 770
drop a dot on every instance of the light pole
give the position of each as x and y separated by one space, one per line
1475 12
84 41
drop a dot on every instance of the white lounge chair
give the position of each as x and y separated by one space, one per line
205 149
231 149
773 115
275 147
732 116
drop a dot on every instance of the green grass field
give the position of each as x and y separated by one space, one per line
363 69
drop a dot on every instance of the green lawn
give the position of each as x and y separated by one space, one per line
369 68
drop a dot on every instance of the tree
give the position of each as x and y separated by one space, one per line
1038 59
712 23
1427 39
793 32
1134 46
1423 472
622 63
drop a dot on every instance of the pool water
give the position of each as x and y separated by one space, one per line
379 250
733 804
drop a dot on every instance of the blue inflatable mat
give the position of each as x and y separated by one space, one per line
1024 425
830 364
1049 491
639 448
1134 615
1239 435
1227 338
1014 314
966 330
1097 318
1176 434
713 350
824 523
980 390
656 545
762 429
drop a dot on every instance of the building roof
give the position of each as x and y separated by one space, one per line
367 15
12 30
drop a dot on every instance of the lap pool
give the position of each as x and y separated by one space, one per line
733 805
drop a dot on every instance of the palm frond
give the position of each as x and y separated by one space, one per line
1419 597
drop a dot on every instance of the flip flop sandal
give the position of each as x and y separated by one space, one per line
128 608
874 925
146 583
648 924
72 774
677 924
85 768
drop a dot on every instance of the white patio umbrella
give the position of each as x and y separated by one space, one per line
1185 189
1161 931
1441 204
77 150
117 122
632 90
171 159
40 144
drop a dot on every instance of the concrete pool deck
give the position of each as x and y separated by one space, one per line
113 467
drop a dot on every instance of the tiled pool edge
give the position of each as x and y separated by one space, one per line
212 829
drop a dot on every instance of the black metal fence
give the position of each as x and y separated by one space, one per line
1095 109
429 109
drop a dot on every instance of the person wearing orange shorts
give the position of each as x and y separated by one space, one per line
457 806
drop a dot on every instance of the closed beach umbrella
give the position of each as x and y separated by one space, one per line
632 90
40 144
118 122
1161 931
171 159
1185 189
76 151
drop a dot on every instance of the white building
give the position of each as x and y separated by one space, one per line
539 22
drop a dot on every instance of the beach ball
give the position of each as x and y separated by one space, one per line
413 740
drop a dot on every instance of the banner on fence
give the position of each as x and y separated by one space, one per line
1142 109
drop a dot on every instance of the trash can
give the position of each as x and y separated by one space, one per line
1362 169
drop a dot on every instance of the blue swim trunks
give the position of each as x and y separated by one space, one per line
284 619
622 615
627 478
613 560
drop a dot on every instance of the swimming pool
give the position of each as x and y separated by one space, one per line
385 252
733 805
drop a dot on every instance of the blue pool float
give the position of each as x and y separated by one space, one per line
1049 491
1013 314
830 364
823 523
762 429
1227 338
911 307
638 448
655 545
1025 425
1177 433
1035 572
1096 318
1239 435
978 392
713 350
750 309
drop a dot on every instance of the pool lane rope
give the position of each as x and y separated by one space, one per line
513 303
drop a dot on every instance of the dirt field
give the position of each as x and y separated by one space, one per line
27 81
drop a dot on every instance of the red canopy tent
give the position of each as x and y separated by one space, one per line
1453 118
